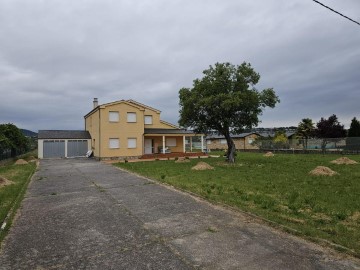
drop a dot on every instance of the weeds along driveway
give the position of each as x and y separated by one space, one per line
82 214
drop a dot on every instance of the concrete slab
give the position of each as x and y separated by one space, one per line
84 229
82 214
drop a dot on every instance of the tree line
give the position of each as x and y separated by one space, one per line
329 130
226 100
12 141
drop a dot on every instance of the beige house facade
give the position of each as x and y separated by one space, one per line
243 141
127 129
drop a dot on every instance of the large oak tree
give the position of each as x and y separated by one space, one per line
225 100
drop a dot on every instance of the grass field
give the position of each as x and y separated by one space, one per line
11 195
276 188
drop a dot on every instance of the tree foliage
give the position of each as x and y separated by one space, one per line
354 130
329 128
353 139
281 140
12 138
225 99
305 130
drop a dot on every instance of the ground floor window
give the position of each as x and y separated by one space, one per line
114 143
131 142
170 142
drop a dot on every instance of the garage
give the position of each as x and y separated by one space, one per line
54 148
63 143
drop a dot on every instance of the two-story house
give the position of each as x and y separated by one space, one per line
127 129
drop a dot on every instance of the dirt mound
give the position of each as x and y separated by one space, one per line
344 160
269 154
182 160
201 166
322 170
21 162
5 182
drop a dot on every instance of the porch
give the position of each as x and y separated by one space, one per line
168 141
173 155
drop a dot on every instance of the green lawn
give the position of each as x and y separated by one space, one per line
276 188
11 195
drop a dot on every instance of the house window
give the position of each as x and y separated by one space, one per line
131 142
131 117
208 141
148 120
114 143
223 141
113 116
250 140
170 142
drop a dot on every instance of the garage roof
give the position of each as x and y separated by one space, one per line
64 134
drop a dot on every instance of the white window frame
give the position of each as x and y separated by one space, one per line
208 141
132 143
114 143
131 117
250 140
114 116
170 142
148 119
222 141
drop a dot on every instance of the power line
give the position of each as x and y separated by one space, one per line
336 12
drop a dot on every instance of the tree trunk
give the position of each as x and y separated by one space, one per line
230 155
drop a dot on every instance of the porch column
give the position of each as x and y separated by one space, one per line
184 142
190 143
66 143
163 143
202 143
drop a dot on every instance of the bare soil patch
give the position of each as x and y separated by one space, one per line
344 160
5 182
21 162
182 160
322 170
269 154
355 217
31 159
201 166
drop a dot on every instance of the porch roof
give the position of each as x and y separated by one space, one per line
167 131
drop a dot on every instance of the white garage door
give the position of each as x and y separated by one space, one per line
54 148
77 148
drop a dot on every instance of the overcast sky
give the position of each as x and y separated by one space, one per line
56 56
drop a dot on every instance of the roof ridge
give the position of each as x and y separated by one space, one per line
143 105
168 123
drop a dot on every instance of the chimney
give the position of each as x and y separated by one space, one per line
95 102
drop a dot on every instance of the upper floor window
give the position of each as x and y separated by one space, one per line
148 119
131 117
113 116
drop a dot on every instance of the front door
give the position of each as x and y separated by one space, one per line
148 146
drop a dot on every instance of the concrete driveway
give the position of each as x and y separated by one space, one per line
82 214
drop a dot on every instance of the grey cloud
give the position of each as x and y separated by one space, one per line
56 56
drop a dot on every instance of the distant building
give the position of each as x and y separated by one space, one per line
242 141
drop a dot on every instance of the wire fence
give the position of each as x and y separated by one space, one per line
7 153
348 145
